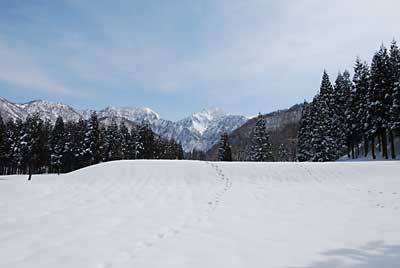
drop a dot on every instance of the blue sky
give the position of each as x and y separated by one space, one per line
178 57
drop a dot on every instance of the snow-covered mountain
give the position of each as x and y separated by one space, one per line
131 113
10 111
50 110
47 110
200 130
201 121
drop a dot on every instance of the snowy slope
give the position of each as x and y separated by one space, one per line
201 120
227 123
175 214
10 111
201 130
46 110
50 110
133 114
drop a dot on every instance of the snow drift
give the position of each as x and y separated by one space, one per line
200 214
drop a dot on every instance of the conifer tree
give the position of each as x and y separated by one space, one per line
44 155
304 152
283 153
197 155
57 146
380 100
92 141
11 147
33 129
362 116
125 140
224 151
323 119
365 110
103 143
181 154
146 142
162 149
3 154
135 145
112 143
19 145
35 146
79 144
69 150
261 148
23 147
342 95
351 134
394 125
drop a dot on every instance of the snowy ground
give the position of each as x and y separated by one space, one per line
181 214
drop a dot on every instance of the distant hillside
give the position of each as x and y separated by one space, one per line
282 125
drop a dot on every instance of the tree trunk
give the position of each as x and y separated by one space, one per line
358 150
365 146
348 150
30 173
392 147
384 144
352 151
379 142
373 147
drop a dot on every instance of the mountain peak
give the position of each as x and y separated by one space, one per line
199 130
210 113
135 114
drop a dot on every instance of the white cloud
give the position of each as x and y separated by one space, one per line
20 70
261 46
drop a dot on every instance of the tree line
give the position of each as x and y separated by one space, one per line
260 149
357 116
37 146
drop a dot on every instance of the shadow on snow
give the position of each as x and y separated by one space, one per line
376 254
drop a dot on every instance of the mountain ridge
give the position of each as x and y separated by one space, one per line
192 132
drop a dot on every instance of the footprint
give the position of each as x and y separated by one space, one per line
123 256
139 245
161 235
105 265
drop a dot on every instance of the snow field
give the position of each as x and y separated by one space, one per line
204 214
